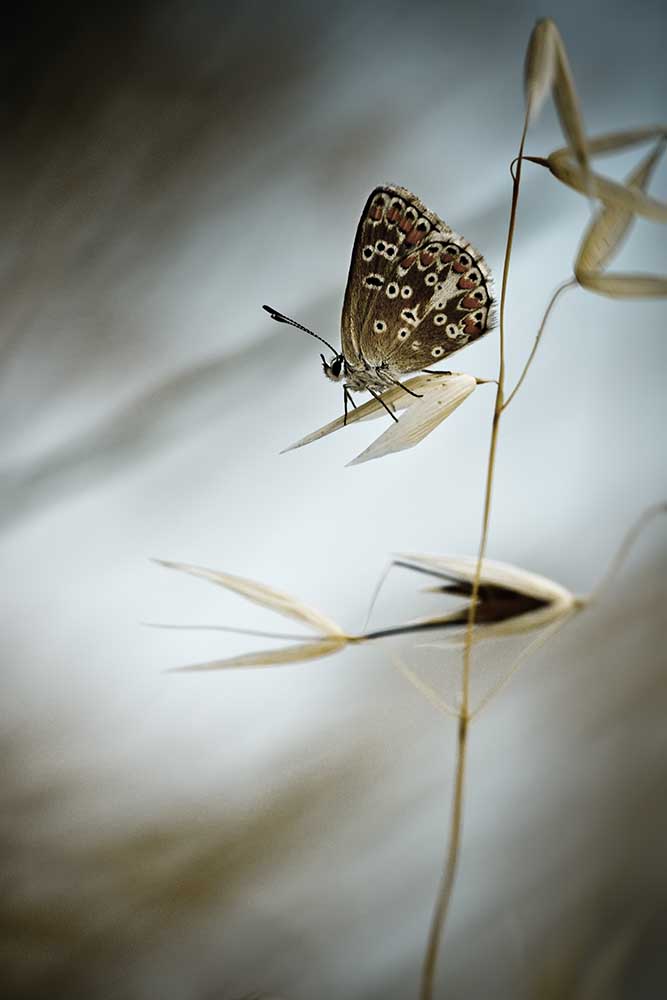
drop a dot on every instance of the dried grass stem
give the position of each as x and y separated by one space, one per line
451 862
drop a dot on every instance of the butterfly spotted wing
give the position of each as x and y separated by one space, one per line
416 290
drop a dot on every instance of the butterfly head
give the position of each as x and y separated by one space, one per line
336 369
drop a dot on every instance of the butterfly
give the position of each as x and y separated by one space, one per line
416 293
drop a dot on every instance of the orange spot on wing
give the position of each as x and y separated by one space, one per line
426 258
470 302
471 326
460 268
414 236
466 283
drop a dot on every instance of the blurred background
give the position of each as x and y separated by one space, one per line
166 169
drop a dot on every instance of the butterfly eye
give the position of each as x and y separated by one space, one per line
380 246
464 260
437 352
431 278
406 292
374 281
379 326
390 252
367 253
409 316
479 316
439 319
392 290
402 334
452 331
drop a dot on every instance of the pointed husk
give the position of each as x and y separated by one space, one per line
608 191
271 657
396 398
558 601
259 593
440 398
539 67
547 68
604 236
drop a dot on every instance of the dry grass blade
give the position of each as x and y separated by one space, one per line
567 104
500 573
629 198
625 286
396 397
271 657
547 68
540 67
259 593
604 236
613 142
440 398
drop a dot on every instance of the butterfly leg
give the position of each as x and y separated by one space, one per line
394 381
417 395
430 371
347 397
381 400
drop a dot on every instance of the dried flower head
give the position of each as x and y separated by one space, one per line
439 395
510 601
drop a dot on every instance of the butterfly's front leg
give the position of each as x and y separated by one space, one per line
381 400
347 396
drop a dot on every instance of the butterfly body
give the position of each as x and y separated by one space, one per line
364 378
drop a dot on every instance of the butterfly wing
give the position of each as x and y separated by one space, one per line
417 291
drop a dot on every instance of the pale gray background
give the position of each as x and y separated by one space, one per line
165 173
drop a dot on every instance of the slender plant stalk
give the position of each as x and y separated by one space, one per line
631 537
449 873
451 863
570 283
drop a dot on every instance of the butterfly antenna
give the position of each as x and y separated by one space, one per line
281 318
